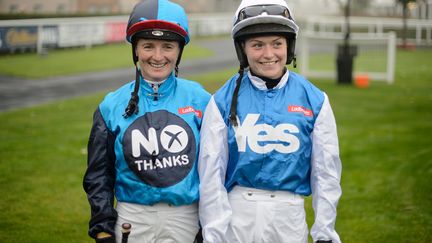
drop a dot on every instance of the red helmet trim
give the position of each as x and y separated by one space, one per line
156 24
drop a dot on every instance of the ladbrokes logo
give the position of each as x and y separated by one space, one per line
263 138
190 109
301 109
160 148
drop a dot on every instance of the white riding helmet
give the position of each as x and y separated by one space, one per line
263 17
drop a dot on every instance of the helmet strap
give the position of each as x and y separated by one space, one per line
233 109
132 107
241 54
181 45
134 56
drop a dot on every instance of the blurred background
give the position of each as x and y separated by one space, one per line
51 25
59 58
324 50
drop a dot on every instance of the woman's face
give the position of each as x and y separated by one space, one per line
157 58
267 55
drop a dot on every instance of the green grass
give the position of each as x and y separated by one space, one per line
78 60
42 153
385 143
386 149
371 61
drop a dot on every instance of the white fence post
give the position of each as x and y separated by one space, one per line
304 56
391 57
39 46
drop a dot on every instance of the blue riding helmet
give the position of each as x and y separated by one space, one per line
157 19
160 15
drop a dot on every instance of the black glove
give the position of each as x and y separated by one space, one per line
324 241
199 237
110 239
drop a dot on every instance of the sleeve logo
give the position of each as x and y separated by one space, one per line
190 109
301 109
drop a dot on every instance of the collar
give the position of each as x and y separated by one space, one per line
157 90
261 85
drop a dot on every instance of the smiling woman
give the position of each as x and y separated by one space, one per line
268 139
266 55
156 58
143 146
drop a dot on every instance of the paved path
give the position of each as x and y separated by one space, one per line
17 93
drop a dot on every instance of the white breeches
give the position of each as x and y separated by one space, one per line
159 223
261 216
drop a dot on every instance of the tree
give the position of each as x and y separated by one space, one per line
360 7
405 19
357 6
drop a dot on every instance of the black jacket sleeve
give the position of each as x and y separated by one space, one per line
100 177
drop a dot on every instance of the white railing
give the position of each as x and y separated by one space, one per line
88 31
16 35
320 40
210 24
373 26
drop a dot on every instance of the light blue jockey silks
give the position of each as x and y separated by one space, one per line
157 149
271 147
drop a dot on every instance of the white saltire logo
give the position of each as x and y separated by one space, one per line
263 138
174 138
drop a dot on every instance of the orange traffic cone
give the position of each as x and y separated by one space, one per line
362 81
